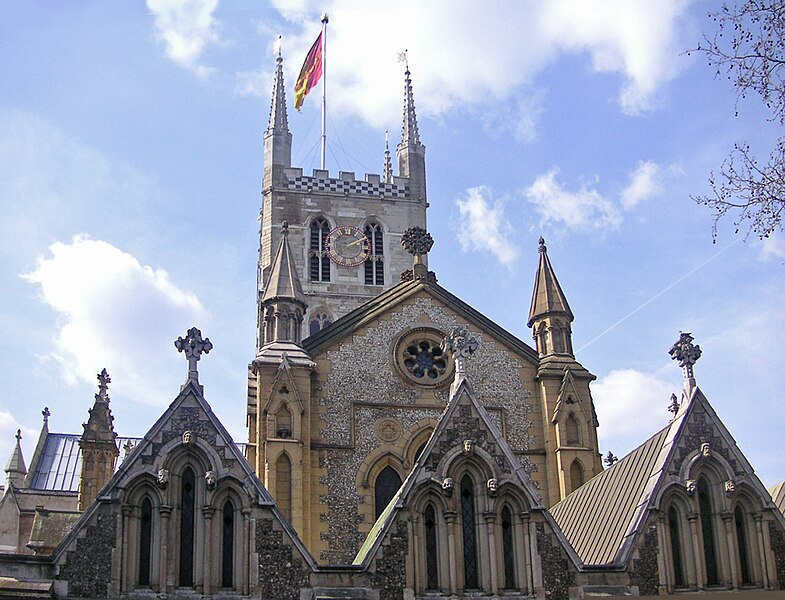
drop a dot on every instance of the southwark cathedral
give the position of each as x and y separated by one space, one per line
400 444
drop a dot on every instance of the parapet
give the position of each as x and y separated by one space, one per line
346 183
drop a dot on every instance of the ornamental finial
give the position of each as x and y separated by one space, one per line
103 385
687 354
193 346
417 242
673 407
462 345
46 414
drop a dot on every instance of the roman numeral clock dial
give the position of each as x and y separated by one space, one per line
347 246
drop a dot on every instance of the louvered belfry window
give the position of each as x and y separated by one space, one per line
469 534
319 262
374 266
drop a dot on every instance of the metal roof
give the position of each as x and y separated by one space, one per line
596 517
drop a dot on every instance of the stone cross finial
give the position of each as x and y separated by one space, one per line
18 436
687 354
611 459
417 242
193 346
285 228
103 385
462 345
46 414
543 248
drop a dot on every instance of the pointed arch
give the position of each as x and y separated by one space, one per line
576 474
387 484
318 261
374 265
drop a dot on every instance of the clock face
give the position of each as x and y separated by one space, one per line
347 246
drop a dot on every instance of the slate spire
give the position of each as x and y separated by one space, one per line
411 152
277 138
410 134
15 470
388 170
550 314
283 303
278 117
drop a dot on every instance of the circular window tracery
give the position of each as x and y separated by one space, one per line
420 359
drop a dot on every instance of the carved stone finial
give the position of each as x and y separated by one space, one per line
687 354
18 436
193 346
611 459
462 345
673 407
416 241
128 447
46 415
543 248
103 385
285 228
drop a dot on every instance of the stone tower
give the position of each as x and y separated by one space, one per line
569 420
99 450
344 232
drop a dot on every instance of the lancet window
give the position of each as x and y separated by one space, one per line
387 484
187 518
283 484
374 266
469 531
227 545
508 548
431 549
145 541
319 262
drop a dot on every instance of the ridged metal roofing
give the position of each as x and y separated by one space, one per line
596 518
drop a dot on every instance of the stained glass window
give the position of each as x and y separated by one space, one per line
469 534
145 542
431 551
508 548
387 484
227 543
188 498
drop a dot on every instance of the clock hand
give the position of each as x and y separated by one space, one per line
354 243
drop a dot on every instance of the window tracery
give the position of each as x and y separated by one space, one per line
374 266
319 261
468 530
187 518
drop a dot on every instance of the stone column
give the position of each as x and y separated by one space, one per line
664 555
527 583
163 571
125 560
727 520
243 586
414 560
697 552
207 513
451 516
765 567
490 524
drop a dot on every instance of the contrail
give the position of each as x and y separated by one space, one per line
657 295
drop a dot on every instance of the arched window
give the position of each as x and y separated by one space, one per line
508 549
319 262
145 541
318 322
675 539
187 515
227 546
283 422
741 539
387 484
431 549
471 581
576 474
707 528
283 485
573 431
374 266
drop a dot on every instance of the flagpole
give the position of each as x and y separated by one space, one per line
325 20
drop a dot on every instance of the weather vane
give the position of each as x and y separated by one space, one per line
402 58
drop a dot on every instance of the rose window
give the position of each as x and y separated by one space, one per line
420 359
424 359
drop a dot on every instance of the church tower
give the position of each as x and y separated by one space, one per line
569 420
99 450
344 232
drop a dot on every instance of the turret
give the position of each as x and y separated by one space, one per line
282 306
99 450
15 470
411 153
550 316
277 138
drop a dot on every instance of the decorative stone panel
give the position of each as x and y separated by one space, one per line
281 573
390 575
778 549
698 431
556 574
645 572
88 568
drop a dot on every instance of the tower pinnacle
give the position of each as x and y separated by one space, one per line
278 116
277 138
411 152
550 314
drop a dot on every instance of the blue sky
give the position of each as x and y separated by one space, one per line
131 159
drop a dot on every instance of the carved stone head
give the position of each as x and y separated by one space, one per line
448 485
493 487
210 480
162 477
189 437
468 446
706 450
690 485
730 486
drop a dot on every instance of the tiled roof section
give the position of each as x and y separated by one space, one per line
61 463
778 495
597 517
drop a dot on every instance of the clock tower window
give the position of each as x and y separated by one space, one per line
374 266
319 262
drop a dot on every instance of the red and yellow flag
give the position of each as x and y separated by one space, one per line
310 74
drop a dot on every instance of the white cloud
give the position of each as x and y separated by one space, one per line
643 184
773 247
585 209
631 406
115 313
186 27
484 227
468 54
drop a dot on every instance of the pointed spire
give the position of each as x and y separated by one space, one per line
15 470
410 134
278 118
284 282
100 424
548 297
388 170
